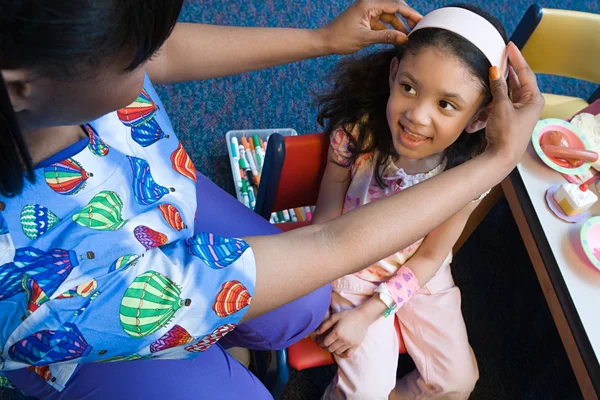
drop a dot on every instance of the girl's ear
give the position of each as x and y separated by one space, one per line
19 90
393 70
479 120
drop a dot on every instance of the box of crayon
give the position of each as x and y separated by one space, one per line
247 150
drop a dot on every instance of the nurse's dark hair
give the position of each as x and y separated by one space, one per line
66 39
360 90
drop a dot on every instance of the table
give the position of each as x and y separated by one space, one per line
569 282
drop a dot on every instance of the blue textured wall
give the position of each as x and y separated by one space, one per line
202 112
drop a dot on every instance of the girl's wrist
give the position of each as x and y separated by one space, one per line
374 308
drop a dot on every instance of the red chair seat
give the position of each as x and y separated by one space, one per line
307 354
297 185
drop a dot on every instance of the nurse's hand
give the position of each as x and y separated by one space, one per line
511 122
368 22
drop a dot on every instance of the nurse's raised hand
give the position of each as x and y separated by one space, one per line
512 119
368 22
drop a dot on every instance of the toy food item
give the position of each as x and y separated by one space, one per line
555 138
570 154
559 139
556 209
589 125
574 199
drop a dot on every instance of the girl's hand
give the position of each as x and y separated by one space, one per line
364 24
511 122
342 333
347 330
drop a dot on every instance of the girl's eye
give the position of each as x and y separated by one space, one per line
409 89
446 106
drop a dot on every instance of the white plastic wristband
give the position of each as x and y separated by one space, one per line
386 297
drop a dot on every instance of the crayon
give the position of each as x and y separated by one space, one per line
308 213
303 213
293 215
245 143
258 153
299 214
280 216
249 153
252 164
245 196
247 172
235 159
274 218
252 198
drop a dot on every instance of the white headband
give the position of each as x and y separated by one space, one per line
472 27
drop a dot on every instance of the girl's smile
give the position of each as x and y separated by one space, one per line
411 139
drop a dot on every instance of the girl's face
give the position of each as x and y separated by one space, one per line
433 98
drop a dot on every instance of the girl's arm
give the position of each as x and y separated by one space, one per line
321 253
332 192
346 330
199 51
425 262
438 244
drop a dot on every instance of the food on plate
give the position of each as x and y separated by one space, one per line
574 199
555 138
573 156
589 125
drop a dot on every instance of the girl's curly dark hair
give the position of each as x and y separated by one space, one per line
360 92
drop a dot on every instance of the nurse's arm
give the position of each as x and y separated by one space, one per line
292 264
199 51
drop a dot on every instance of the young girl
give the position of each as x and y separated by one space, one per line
397 118
102 252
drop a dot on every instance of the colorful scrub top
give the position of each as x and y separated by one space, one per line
364 189
98 261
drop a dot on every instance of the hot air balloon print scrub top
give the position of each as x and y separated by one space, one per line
98 258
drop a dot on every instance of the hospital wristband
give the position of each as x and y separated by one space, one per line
386 297
402 286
